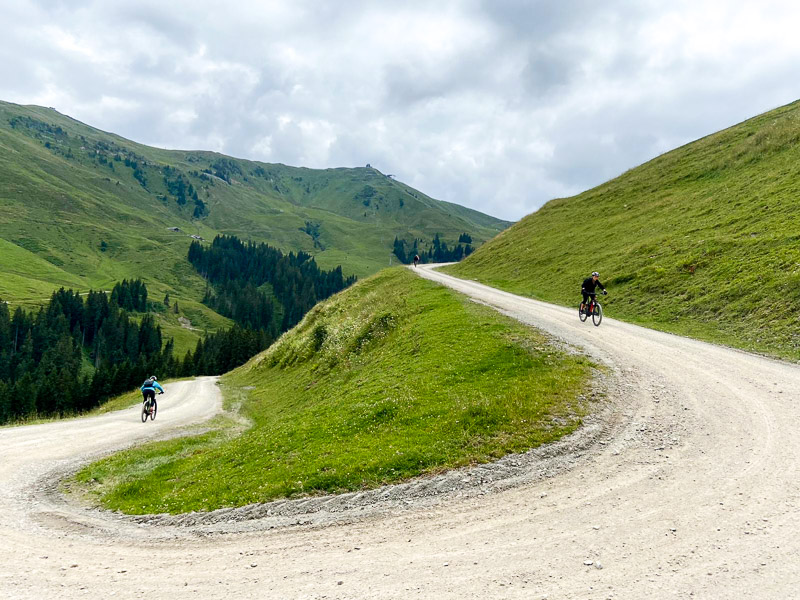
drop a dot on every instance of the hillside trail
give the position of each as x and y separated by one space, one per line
691 491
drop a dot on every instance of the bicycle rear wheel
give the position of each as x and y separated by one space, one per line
155 410
597 315
145 410
581 314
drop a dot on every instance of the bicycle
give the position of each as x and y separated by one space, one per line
149 408
592 308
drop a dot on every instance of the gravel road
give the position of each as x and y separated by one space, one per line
687 485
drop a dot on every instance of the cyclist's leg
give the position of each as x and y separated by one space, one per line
152 395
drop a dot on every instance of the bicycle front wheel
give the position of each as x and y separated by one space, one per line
145 411
581 313
597 315
154 411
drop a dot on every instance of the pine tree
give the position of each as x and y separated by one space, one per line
67 392
142 296
24 359
47 393
5 403
23 397
100 388
149 336
5 343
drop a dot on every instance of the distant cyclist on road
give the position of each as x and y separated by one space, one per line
149 388
588 287
416 259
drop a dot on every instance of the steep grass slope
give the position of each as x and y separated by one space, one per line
394 377
702 241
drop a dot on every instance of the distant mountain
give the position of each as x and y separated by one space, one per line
703 240
85 208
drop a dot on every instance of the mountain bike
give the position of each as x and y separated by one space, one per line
149 409
592 308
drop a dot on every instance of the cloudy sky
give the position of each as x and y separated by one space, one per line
499 105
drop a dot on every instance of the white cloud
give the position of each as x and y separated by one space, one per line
496 104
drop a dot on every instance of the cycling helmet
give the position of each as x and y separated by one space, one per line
595 274
153 378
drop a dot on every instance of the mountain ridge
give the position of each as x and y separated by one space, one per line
94 208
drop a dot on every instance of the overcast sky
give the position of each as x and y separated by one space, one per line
497 105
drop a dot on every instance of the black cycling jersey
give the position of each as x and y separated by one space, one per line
589 284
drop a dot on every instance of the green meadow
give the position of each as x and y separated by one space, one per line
391 379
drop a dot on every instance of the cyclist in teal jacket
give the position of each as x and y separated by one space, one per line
149 388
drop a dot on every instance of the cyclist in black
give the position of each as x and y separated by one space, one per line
588 287
416 259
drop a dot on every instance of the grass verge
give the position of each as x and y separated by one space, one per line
393 378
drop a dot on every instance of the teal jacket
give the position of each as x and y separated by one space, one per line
152 385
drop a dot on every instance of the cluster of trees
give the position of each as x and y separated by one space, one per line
57 140
130 295
366 195
73 354
224 168
36 126
220 352
435 252
179 186
76 352
137 169
313 230
200 209
260 287
54 137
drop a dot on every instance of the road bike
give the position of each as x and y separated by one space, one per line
149 409
594 309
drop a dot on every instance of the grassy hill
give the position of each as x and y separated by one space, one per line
703 240
389 379
84 208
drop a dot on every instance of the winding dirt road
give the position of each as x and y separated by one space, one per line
690 490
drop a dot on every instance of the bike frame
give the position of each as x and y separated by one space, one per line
591 308
149 406
590 305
